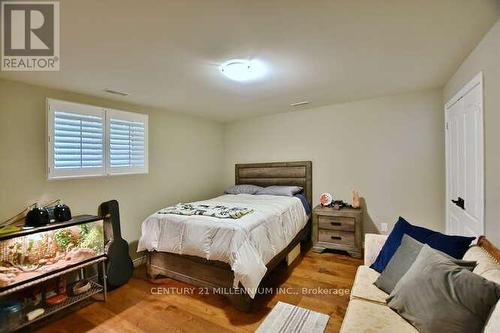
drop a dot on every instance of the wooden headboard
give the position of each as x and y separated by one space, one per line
276 173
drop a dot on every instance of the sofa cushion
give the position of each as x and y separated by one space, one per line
455 246
402 260
437 295
493 323
487 266
373 245
363 316
363 287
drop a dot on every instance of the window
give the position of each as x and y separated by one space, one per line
86 141
127 142
76 140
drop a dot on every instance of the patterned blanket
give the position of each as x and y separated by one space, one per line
218 211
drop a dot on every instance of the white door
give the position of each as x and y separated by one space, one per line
465 161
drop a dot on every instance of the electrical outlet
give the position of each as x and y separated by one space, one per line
383 227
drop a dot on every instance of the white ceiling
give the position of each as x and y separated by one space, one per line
166 53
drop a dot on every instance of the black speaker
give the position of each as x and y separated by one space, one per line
37 217
62 213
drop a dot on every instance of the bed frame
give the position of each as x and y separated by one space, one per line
217 276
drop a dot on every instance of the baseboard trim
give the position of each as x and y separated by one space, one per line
139 261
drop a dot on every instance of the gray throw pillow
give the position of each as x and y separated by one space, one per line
243 189
402 260
286 191
437 295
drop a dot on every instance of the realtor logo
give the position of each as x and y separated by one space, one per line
30 36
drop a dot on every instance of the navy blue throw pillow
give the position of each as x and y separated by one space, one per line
455 246
303 199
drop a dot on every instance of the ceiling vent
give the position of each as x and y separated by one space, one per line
116 92
300 103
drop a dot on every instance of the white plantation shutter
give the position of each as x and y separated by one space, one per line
76 140
127 142
85 140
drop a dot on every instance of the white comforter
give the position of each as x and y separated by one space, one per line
247 244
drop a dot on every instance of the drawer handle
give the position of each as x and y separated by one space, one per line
335 223
336 237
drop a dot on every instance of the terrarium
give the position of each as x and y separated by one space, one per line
29 256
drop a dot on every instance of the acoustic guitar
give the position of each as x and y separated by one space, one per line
119 266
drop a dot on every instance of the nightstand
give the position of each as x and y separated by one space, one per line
338 230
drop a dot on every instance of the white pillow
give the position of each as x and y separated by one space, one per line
285 191
243 189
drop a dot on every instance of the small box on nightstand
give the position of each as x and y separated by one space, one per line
338 230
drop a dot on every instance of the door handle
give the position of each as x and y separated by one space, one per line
459 202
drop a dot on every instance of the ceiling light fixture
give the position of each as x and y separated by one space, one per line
243 69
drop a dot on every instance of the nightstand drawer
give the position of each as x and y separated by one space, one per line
336 237
336 222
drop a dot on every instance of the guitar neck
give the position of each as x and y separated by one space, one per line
111 213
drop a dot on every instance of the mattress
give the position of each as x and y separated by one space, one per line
247 244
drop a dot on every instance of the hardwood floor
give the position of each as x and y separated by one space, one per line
139 306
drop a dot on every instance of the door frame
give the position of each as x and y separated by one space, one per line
476 80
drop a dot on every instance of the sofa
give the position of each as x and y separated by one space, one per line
368 311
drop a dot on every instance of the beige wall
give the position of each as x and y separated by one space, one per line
390 149
486 58
185 160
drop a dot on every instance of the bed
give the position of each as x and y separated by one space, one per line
229 256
